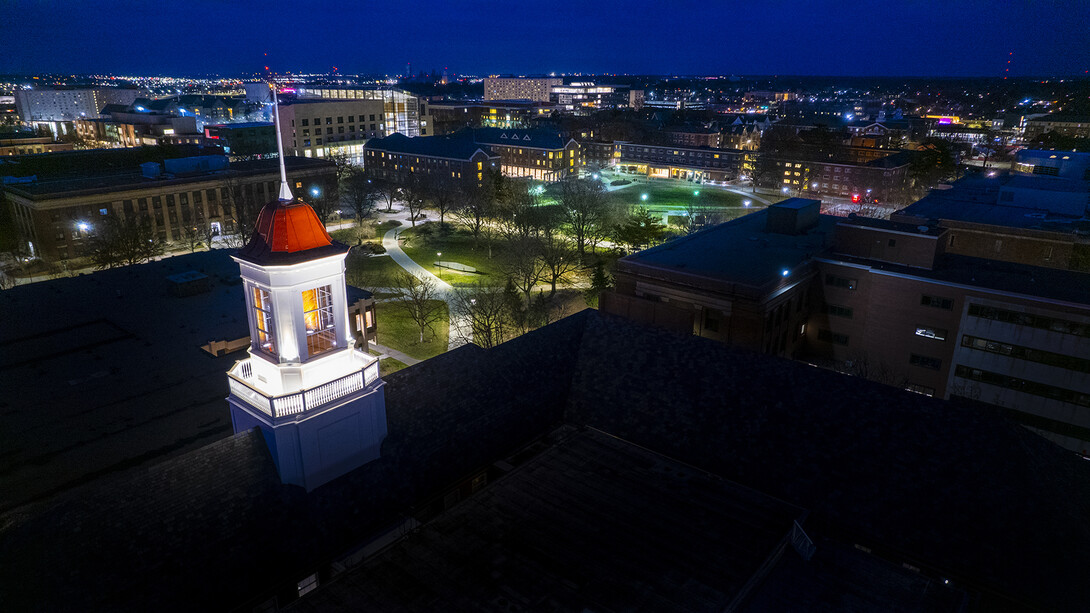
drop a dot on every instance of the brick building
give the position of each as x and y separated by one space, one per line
453 158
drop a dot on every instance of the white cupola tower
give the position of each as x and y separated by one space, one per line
318 400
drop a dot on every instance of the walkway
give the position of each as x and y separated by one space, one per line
461 330
387 352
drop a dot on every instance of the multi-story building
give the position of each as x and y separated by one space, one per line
694 136
538 89
537 154
205 108
30 144
126 128
321 127
887 300
674 162
453 158
883 179
1052 163
45 106
251 140
1075 126
55 215
451 116
402 111
583 97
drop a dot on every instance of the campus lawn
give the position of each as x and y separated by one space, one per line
456 246
368 272
398 331
389 365
667 197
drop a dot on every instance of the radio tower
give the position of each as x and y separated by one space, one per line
1007 72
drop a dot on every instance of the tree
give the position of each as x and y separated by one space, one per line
487 311
641 229
360 194
599 282
415 191
387 191
522 263
476 211
191 235
699 215
444 194
932 164
420 300
519 213
242 206
123 241
585 210
559 258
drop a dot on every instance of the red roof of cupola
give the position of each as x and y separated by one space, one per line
288 232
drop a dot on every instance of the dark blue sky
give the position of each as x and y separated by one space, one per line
822 37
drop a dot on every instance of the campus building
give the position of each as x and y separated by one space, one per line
676 162
450 158
125 127
45 106
1052 163
30 144
1074 126
539 154
322 127
401 111
450 116
57 214
520 88
883 178
887 300
249 140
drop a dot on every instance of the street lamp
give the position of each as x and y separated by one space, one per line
696 192
643 197
83 226
785 190
747 203
314 191
439 264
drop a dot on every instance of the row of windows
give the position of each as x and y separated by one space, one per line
838 311
317 317
1027 353
829 336
937 301
1028 320
329 120
1022 385
924 361
841 282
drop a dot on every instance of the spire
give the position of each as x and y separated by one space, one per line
285 191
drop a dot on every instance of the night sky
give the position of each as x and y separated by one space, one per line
812 37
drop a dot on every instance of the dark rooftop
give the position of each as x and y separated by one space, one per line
954 491
452 147
537 138
120 179
740 251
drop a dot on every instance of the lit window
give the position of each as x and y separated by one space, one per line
318 317
263 320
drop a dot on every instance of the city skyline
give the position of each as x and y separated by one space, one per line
779 38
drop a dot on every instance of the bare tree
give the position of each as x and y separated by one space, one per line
522 263
360 194
124 242
191 236
700 215
519 214
420 300
241 205
415 191
865 366
585 209
387 191
486 308
559 258
476 211
444 194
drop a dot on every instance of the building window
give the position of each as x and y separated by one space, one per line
924 361
842 282
318 317
937 334
263 320
937 301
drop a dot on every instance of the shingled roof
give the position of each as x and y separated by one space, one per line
947 489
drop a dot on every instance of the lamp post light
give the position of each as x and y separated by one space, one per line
747 203
643 197
439 265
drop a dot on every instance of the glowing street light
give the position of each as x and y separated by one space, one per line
643 197
785 190
438 265
314 191
747 203
785 272
696 192
83 226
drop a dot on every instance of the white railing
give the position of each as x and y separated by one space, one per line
299 402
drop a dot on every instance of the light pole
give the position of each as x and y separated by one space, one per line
439 264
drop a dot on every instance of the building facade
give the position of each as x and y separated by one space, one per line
1074 126
455 159
520 88
60 105
57 217
537 154
402 111
676 162
322 127
30 144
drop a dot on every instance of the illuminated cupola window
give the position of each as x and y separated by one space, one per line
304 377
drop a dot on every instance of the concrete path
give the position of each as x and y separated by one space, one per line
387 352
461 330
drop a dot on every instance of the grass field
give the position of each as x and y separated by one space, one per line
398 331
455 247
389 365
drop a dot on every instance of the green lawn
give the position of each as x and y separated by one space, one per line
669 197
455 247
370 271
389 365
398 331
